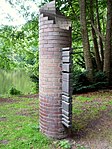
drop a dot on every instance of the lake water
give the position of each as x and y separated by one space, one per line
17 79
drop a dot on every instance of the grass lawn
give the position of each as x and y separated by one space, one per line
19 125
92 123
92 120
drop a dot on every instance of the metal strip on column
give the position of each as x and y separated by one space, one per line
66 87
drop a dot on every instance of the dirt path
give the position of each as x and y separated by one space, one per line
7 100
97 134
30 96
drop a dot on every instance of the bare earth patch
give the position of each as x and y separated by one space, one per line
4 142
108 92
97 134
25 112
3 119
97 130
29 96
8 100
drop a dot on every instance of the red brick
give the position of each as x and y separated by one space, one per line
51 40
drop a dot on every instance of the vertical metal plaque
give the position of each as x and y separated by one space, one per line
66 88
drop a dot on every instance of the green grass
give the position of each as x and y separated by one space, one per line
20 127
85 99
19 121
88 107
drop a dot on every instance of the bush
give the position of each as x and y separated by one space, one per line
100 80
14 91
82 84
100 77
35 79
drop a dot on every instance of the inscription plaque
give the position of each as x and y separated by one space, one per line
66 67
66 106
66 98
66 88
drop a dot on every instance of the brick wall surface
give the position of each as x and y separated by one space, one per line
52 39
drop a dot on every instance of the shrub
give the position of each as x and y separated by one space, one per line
82 84
14 91
35 79
100 77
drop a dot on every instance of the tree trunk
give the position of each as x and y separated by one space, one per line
85 40
107 52
111 59
96 49
100 39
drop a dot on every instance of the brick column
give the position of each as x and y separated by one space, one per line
52 39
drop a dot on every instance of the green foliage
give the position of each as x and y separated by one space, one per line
65 144
100 77
20 51
14 91
82 84
35 79
80 81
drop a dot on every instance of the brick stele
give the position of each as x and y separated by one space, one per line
54 34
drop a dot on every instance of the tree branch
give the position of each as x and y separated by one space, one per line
97 32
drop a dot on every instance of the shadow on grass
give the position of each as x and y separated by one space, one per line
86 124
